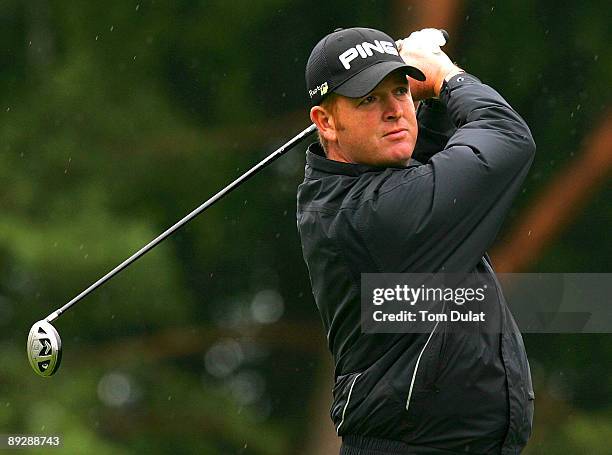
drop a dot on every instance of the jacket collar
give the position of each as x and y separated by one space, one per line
317 163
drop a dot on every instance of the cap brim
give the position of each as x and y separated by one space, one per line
365 81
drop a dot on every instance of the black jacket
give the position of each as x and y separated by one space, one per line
438 392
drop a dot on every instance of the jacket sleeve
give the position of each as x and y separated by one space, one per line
435 129
443 215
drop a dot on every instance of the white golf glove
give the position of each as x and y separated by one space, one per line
422 50
428 39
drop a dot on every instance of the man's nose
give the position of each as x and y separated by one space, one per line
393 109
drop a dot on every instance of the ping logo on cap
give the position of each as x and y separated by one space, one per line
365 50
323 88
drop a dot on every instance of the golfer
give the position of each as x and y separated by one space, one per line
388 189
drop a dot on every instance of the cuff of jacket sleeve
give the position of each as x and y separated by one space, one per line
454 82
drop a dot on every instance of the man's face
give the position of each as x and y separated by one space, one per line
379 129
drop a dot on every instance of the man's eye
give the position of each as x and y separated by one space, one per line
402 90
368 99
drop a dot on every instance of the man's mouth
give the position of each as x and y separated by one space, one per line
399 133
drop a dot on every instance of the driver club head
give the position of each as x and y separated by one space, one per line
44 348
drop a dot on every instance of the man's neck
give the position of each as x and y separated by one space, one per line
335 154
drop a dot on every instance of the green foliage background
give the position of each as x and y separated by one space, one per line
117 118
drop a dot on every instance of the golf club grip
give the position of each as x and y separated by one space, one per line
168 232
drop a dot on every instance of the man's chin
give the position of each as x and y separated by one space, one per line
400 155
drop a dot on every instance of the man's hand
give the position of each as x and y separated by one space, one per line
422 50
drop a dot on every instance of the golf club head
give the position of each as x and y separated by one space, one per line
44 349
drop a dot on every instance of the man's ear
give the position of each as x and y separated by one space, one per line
324 120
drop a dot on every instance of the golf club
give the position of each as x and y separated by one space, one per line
44 343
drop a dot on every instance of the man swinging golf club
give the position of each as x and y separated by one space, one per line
388 189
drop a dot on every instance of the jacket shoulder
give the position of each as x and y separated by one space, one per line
376 185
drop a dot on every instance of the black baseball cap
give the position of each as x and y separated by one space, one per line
351 62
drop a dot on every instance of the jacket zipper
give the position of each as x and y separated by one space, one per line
348 399
416 367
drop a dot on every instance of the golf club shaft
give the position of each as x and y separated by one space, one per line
168 232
